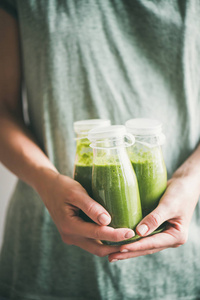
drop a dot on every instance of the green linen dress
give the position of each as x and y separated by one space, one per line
115 59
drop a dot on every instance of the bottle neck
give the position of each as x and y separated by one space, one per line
108 144
146 148
150 141
110 153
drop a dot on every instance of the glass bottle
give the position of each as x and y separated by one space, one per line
114 184
84 154
147 160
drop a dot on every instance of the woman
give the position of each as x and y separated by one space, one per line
97 59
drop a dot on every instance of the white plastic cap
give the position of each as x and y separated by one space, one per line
84 126
113 131
144 126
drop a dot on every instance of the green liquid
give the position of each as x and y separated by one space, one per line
152 179
83 169
83 174
118 195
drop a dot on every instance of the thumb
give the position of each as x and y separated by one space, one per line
93 209
153 220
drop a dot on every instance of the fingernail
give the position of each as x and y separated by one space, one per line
113 260
129 234
104 219
124 250
142 229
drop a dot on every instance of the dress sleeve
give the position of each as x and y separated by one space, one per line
9 6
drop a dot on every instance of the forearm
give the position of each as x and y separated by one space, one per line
19 151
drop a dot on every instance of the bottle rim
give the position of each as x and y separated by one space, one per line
144 127
115 134
83 126
105 132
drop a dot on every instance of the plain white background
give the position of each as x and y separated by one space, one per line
7 184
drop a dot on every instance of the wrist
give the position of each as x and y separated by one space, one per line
188 178
189 171
42 178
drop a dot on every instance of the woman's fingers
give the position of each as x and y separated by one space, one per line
91 208
121 256
157 241
152 244
169 238
77 226
93 246
153 220
149 245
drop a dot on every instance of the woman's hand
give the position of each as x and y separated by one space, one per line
64 197
176 207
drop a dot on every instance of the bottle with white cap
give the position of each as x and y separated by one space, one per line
147 160
84 154
114 183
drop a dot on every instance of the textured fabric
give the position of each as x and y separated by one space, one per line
103 59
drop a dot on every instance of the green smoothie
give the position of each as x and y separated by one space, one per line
118 195
83 174
83 168
151 174
83 164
